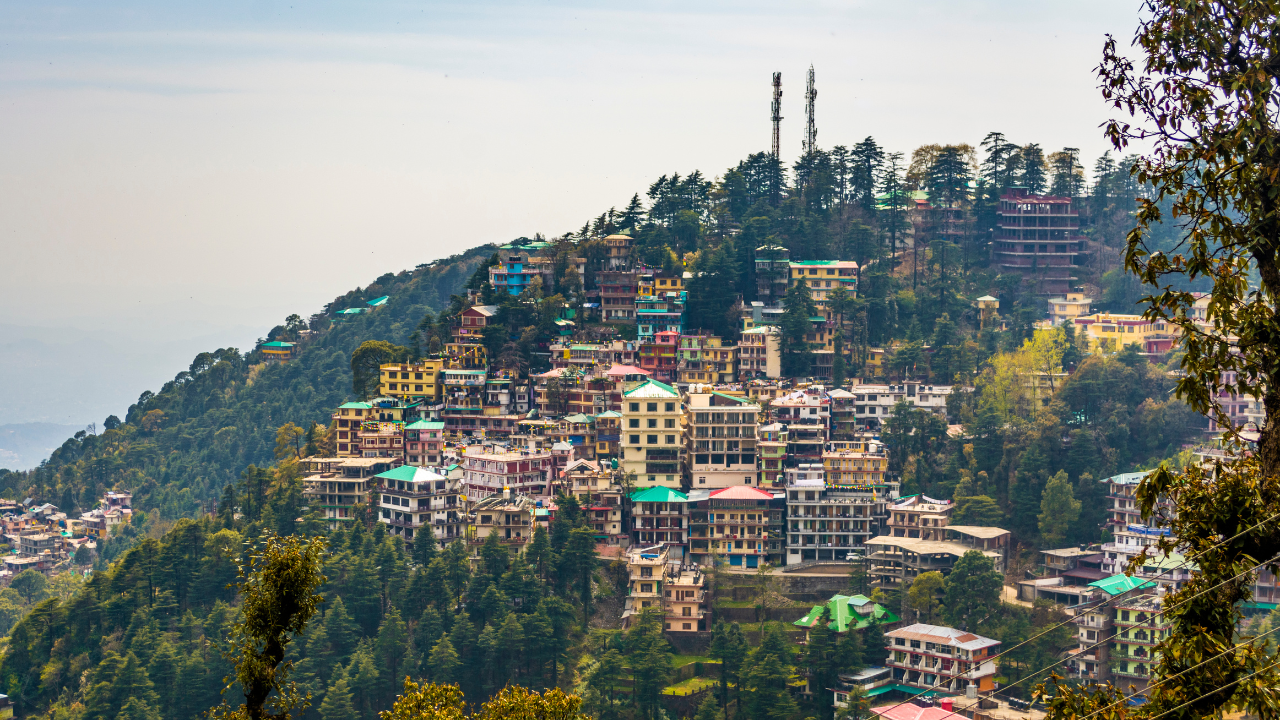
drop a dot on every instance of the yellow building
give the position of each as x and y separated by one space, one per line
1112 332
650 284
412 382
652 434
852 467
705 359
1068 308
822 277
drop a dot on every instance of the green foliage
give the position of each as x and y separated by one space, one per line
971 591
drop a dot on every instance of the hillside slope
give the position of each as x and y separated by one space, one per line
179 447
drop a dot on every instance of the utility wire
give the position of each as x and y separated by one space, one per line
1162 681
1099 642
1153 615
1186 561
1219 689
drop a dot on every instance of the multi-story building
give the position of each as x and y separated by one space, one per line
1066 308
894 561
412 382
720 440
656 579
619 248
608 434
731 523
600 497
773 272
618 290
933 657
1038 237
646 571
514 272
660 357
660 515
1095 616
828 522
411 497
663 312
862 465
424 442
508 515
652 435
335 486
1140 625
1112 332
873 404
490 470
1122 493
919 517
771 448
704 359
347 419
807 415
759 354
824 276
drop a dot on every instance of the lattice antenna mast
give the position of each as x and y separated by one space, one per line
777 112
811 129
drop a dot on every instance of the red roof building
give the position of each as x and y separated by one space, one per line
1038 237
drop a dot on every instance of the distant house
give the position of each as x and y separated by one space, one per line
848 612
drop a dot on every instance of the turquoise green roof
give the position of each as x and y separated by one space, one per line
355 406
409 473
277 344
577 418
609 414
844 614
659 494
645 389
377 302
814 262
425 425
735 398
1118 584
350 311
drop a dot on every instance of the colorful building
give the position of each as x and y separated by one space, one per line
652 434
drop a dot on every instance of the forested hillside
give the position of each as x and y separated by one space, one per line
177 448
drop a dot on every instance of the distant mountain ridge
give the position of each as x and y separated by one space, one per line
25 445
179 446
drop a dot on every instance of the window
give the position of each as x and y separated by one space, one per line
669 423
651 407
635 407
671 407
635 440
633 423
653 422
653 440
671 439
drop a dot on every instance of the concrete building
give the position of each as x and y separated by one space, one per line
600 496
508 515
759 354
656 579
732 523
489 469
773 272
1038 237
660 516
1112 332
618 290
335 486
807 414
424 442
919 516
705 360
720 440
893 561
822 277
411 498
829 522
1066 308
412 382
652 435
924 656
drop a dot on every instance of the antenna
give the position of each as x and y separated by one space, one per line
811 129
777 111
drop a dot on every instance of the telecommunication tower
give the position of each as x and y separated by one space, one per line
777 111
811 129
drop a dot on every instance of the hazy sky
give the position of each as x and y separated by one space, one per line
180 176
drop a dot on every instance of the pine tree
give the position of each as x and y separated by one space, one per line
1059 509
444 662
797 353
337 703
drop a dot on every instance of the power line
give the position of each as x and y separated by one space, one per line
1216 690
1184 563
1162 681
